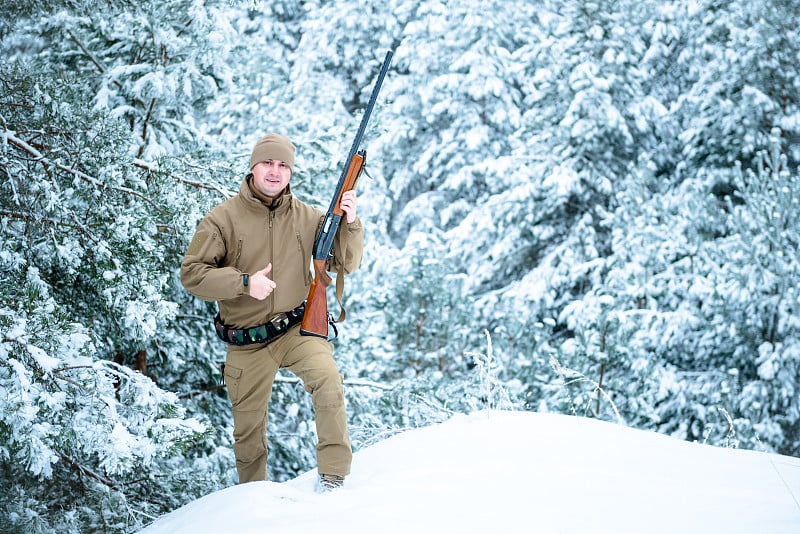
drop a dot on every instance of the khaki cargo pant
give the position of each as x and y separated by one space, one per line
249 374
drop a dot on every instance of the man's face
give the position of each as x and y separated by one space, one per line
271 177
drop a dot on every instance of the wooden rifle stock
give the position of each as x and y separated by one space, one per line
315 318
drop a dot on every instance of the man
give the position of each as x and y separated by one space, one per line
252 254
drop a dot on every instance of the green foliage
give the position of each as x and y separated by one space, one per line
427 318
91 237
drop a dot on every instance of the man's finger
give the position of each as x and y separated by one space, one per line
266 270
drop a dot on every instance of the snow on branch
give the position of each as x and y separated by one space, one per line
10 137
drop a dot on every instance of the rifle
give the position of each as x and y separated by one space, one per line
315 319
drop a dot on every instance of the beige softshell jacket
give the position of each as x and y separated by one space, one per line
243 235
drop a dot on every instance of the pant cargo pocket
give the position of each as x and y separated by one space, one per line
233 376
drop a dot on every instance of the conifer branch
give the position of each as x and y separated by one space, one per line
201 185
88 472
99 64
146 122
46 163
198 185
76 225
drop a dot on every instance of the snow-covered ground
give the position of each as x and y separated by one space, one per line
501 472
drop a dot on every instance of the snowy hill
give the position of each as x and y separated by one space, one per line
520 472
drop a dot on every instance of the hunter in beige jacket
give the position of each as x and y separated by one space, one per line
227 261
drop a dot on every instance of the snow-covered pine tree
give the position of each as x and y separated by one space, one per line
676 250
739 80
97 348
755 306
736 86
581 86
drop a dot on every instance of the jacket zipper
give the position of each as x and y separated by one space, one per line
271 218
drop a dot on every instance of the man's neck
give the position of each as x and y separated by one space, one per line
268 201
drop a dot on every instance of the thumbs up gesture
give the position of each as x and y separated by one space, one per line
261 286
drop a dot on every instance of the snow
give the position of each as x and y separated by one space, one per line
498 471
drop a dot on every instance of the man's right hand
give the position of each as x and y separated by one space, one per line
261 286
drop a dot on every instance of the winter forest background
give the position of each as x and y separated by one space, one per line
589 208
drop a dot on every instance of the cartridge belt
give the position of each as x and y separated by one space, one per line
264 333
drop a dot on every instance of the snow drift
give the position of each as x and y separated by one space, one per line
497 471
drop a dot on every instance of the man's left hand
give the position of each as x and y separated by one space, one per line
348 204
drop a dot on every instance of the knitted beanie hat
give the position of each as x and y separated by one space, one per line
273 146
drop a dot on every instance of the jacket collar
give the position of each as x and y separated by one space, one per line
256 200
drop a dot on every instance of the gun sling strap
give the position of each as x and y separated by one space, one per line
340 289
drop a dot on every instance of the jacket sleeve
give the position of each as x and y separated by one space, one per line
348 248
203 273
